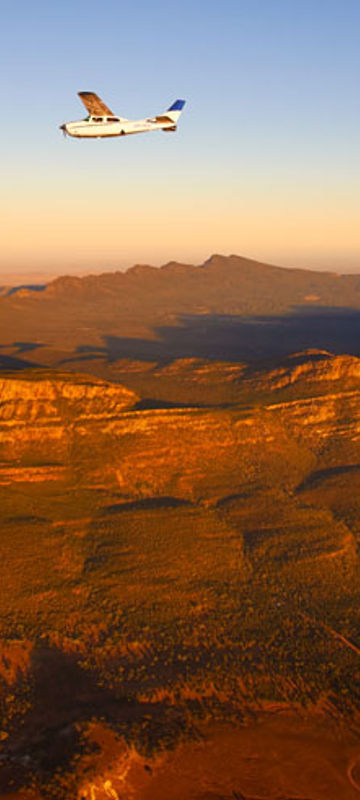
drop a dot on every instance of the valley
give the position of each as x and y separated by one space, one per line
180 532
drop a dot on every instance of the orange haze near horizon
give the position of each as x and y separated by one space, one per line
58 231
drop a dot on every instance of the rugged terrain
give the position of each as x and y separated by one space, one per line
229 308
179 571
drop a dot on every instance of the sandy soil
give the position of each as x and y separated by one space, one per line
280 757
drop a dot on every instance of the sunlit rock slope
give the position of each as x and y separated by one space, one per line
58 426
180 579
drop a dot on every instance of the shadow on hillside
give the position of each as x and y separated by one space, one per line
27 347
215 337
63 695
14 362
324 474
235 338
148 403
148 503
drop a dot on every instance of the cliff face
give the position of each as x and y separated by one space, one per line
314 367
40 399
52 428
39 416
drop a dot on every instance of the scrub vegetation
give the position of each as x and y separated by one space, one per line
179 577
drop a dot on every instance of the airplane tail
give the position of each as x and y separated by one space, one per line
175 110
171 116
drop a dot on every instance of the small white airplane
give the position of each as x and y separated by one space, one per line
102 122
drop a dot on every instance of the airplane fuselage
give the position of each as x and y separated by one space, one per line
99 127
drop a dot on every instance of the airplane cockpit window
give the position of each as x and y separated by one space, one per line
113 119
97 119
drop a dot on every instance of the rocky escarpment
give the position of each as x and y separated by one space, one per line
52 428
187 453
58 397
38 416
312 367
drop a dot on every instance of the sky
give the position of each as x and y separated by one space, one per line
265 162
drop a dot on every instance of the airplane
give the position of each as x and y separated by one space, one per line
102 122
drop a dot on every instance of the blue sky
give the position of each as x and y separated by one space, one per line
266 159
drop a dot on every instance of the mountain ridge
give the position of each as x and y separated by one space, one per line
64 419
245 267
229 308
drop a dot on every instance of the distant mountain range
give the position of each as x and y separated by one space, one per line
229 307
225 284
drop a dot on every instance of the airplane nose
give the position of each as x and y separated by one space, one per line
63 128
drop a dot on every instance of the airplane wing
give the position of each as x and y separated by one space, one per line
95 105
